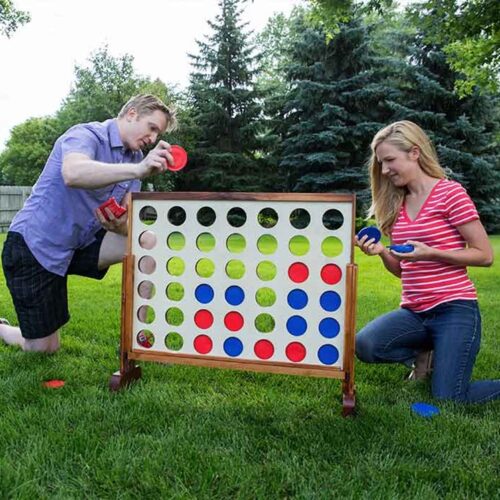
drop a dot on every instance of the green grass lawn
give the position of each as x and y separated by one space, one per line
188 432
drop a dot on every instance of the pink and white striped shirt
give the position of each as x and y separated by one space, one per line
428 283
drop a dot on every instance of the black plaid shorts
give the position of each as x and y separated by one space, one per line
41 297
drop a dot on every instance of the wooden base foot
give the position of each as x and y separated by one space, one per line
120 380
349 405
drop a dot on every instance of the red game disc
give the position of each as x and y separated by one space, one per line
54 384
180 158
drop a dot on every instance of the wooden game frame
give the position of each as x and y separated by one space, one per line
130 371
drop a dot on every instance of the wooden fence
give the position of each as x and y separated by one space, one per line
12 199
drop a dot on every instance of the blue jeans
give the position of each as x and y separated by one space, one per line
452 330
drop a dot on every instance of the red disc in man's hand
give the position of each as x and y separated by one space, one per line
180 158
116 210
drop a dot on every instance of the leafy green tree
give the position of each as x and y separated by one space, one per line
463 129
330 14
225 108
469 33
99 92
27 151
100 89
11 18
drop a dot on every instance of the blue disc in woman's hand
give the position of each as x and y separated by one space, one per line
372 232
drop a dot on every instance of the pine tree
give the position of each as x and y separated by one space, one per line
225 108
338 101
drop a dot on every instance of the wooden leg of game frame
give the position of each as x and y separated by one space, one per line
128 369
348 389
348 400
121 379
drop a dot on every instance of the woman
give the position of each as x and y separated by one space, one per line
415 204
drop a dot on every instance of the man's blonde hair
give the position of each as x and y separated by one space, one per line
387 198
145 104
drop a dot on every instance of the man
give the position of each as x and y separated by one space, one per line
61 231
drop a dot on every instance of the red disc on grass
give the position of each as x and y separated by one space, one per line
54 384
180 158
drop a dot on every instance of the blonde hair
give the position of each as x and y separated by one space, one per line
387 198
145 104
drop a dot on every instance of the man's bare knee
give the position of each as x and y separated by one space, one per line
112 250
47 345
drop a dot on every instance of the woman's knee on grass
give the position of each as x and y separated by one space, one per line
365 347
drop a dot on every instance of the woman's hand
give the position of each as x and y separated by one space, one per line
421 252
368 245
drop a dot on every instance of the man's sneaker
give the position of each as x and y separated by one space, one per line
3 321
423 366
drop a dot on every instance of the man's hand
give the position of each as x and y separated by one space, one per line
114 225
156 160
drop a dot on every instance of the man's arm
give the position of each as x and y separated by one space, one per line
79 171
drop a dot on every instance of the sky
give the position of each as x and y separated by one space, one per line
37 63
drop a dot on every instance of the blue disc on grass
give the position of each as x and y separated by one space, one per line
425 410
372 232
204 294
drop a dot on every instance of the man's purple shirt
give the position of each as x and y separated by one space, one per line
56 219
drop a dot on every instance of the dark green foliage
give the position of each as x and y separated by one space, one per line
226 111
469 33
463 130
339 99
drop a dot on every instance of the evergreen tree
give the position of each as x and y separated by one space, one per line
338 101
225 108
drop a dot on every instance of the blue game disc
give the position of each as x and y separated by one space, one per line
204 293
402 248
372 232
425 410
297 299
330 301
234 295
296 325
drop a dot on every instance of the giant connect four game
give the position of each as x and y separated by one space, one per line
252 281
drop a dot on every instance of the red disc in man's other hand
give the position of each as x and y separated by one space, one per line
180 158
